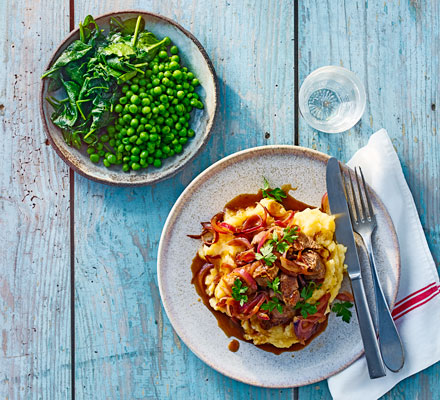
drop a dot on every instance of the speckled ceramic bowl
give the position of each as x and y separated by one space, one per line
194 56
338 346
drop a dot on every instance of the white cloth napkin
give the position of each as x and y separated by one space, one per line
417 310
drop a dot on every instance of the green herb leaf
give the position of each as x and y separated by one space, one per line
237 292
276 194
274 285
306 293
342 310
266 254
274 302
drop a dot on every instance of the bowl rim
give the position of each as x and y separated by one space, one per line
191 189
172 172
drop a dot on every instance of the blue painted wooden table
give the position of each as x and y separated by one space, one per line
80 313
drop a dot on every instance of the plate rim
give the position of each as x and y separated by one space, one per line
202 177
172 172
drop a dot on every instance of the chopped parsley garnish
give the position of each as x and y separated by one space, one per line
237 292
276 194
266 254
342 310
289 235
274 302
274 285
307 309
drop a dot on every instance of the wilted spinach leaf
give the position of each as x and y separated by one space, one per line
73 52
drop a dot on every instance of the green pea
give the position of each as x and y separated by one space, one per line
136 80
118 108
146 110
142 82
172 152
175 58
135 151
127 118
91 150
135 99
180 94
183 140
161 108
125 88
177 74
133 108
190 75
143 136
128 147
157 90
112 142
123 100
143 163
191 133
174 65
146 102
155 110
157 163
160 75
174 50
140 128
166 149
167 74
150 160
131 131
161 67
139 142
178 148
133 139
111 158
125 167
163 98
121 148
126 140
134 123
195 82
129 94
153 137
106 163
134 88
135 166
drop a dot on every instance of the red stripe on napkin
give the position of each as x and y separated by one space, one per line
418 305
412 294
415 301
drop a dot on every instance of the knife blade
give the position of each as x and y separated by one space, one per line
344 235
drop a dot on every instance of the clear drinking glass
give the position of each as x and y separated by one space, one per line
332 99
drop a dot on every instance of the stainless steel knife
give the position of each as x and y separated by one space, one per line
344 235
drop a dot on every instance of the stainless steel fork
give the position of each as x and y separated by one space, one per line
364 223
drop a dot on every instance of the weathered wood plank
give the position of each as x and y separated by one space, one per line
393 47
34 211
126 346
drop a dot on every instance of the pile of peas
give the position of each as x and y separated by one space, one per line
153 116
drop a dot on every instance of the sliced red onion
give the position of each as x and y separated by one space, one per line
263 316
255 222
286 221
345 296
240 241
245 257
223 229
247 277
202 274
212 259
263 239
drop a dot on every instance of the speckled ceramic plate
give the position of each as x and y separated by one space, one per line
334 349
193 56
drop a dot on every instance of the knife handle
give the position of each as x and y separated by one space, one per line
375 364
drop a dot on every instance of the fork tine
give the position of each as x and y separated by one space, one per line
361 197
358 214
347 196
367 196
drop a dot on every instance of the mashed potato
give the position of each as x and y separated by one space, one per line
226 254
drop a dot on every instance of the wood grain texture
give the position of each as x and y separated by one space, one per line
34 210
393 47
126 348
